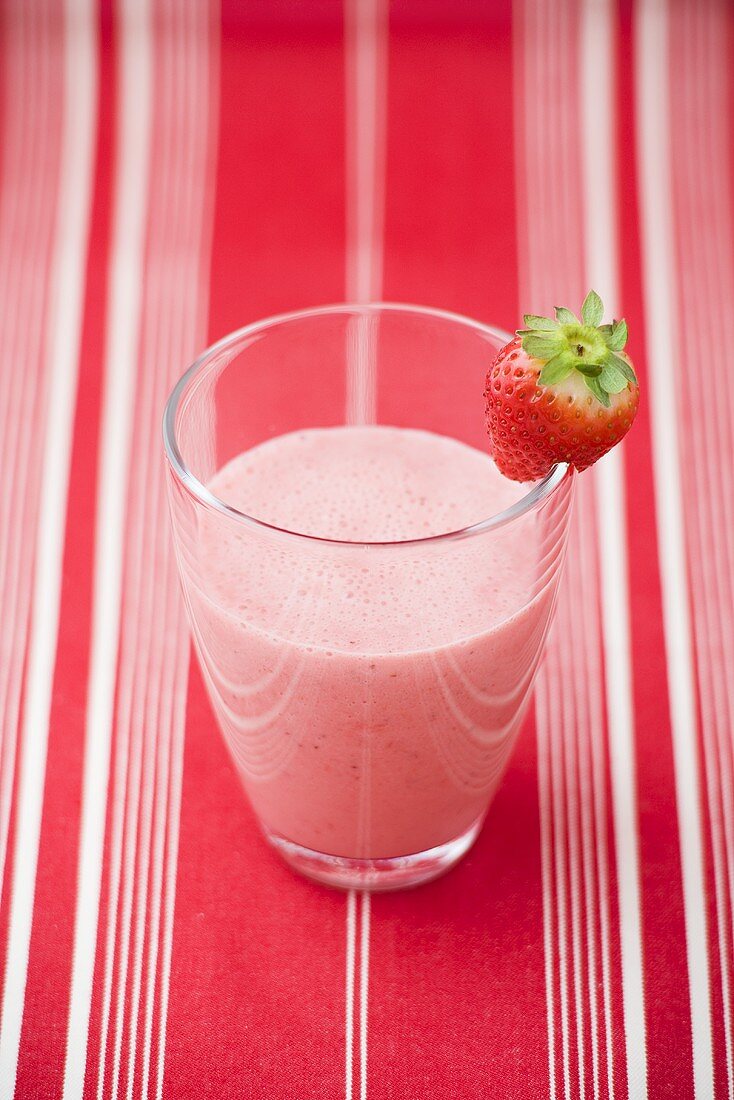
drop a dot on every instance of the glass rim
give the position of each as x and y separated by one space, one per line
539 491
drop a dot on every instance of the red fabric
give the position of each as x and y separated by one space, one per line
243 157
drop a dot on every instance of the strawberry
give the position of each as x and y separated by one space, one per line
562 390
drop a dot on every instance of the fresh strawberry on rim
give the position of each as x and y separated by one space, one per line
563 390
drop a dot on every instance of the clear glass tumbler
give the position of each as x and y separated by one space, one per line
369 691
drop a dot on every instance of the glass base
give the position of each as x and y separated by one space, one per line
375 874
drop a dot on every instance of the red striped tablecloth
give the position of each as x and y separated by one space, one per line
171 169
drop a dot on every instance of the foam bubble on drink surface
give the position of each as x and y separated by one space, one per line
365 484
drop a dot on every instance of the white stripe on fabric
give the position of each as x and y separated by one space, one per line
569 697
30 178
532 194
553 716
27 203
592 780
365 43
598 36
366 37
546 861
573 715
524 21
706 280
121 349
565 684
154 648
714 274
206 36
186 321
144 610
66 304
651 34
351 941
364 979
144 593
365 30
171 846
547 231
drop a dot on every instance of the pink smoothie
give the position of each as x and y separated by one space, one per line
370 697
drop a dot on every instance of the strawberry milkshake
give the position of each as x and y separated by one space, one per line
370 695
369 602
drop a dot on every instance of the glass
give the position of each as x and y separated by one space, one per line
369 692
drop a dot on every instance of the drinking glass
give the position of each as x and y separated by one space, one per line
369 760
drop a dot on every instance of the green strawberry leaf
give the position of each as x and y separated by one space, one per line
539 346
565 317
556 369
601 395
612 380
592 310
532 321
618 336
624 367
